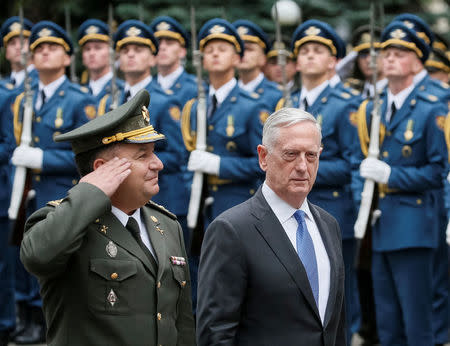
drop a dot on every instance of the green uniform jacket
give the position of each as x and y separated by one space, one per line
80 253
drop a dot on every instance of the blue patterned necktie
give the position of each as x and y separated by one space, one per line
305 250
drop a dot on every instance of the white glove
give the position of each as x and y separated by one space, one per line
448 233
29 157
375 169
448 177
204 161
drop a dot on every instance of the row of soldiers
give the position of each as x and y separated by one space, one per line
407 275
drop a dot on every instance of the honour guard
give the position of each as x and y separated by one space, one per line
251 77
10 33
234 123
411 165
58 106
110 261
438 63
93 38
315 46
173 44
137 48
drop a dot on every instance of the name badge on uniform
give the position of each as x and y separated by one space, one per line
178 261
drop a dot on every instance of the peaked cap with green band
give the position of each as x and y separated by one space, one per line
129 123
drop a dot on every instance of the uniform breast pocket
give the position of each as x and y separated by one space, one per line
111 285
409 147
233 137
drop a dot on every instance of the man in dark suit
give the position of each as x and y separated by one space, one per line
271 269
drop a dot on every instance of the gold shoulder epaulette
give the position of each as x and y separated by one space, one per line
102 105
254 95
55 203
161 209
16 121
189 136
345 95
84 89
280 104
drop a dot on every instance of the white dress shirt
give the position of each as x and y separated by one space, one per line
312 95
251 86
137 87
285 214
368 87
49 90
398 99
166 82
335 80
123 218
19 76
98 85
419 77
223 91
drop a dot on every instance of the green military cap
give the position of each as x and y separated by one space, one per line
129 123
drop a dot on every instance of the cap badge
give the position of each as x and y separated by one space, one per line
312 31
217 29
408 24
242 30
45 32
133 31
163 26
146 114
92 29
365 38
15 26
398 34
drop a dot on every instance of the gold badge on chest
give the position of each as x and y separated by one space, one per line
409 134
230 126
406 151
59 118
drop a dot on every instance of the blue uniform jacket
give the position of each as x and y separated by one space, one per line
233 132
106 89
184 88
413 145
269 92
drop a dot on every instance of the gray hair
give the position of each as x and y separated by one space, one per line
285 117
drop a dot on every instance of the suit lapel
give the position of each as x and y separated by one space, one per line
122 237
271 230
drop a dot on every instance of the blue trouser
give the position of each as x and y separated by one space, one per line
7 306
27 286
402 284
352 312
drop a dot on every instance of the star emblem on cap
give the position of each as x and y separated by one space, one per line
408 24
45 32
92 29
217 29
146 114
242 30
365 38
15 27
133 31
398 34
163 26
312 31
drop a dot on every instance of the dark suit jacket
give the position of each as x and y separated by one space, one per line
253 288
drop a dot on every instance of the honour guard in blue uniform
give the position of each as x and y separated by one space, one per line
137 48
441 91
93 38
234 122
315 45
173 44
58 106
251 77
438 63
411 165
10 34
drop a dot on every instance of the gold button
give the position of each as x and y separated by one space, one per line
385 154
211 127
210 148
388 133
37 178
36 139
114 276
56 133
158 284
419 201
214 188
382 195
335 194
158 316
38 119
252 191
74 182
183 283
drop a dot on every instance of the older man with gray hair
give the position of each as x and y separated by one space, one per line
271 271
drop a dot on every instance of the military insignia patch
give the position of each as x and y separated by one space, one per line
163 26
365 38
354 118
111 249
175 113
406 151
440 121
217 29
104 229
254 95
133 32
92 29
312 31
231 146
112 298
9 86
178 261
398 34
168 92
409 134
154 219
242 30
84 89
90 111
45 32
263 115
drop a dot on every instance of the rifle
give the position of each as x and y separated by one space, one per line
198 187
22 178
112 61
367 195
73 75
281 58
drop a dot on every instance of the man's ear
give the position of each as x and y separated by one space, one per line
98 162
262 157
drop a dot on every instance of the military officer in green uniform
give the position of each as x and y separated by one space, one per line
111 263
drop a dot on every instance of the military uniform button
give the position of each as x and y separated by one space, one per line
252 191
183 283
158 285
419 201
114 276
36 139
211 127
38 119
385 154
74 182
37 178
159 316
388 133
210 148
214 188
335 194
382 195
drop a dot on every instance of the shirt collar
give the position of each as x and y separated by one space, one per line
420 76
223 91
167 82
282 210
335 80
400 98
137 87
251 86
123 217
368 89
50 89
312 95
97 85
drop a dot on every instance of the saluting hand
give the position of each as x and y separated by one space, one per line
109 175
